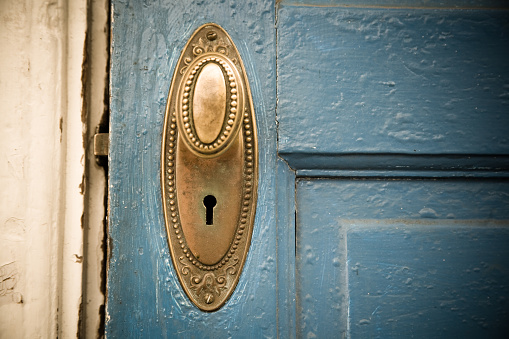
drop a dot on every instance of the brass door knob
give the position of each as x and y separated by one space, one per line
209 167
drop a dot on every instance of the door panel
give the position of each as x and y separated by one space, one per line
402 258
405 111
418 87
145 298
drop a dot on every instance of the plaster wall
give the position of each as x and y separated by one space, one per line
41 167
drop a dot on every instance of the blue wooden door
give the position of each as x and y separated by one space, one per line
400 149
383 203
145 298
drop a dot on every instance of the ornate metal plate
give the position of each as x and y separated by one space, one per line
209 167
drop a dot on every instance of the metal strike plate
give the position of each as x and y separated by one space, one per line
101 144
209 167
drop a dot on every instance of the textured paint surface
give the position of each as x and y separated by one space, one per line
285 208
402 258
144 296
321 281
401 3
41 167
441 279
392 81
358 90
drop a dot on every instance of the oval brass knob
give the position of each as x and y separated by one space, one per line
210 95
209 103
209 167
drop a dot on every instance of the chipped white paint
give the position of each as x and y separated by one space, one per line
41 166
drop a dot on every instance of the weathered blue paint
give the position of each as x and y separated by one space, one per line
398 162
395 94
416 174
285 210
394 82
144 296
411 199
322 285
442 279
459 4
403 258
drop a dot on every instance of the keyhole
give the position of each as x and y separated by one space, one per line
209 202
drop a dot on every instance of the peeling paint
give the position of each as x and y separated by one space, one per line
8 278
39 166
61 127
77 258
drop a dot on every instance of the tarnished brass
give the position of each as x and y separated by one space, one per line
209 167
209 103
101 144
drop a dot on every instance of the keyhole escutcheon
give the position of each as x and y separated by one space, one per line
209 202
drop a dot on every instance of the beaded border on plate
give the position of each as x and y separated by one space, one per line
249 161
234 99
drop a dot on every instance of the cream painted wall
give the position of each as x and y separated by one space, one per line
41 167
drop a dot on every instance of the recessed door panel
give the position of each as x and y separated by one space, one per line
402 258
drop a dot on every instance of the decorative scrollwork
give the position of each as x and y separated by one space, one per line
185 269
197 50
232 269
211 44
208 287
222 50
187 61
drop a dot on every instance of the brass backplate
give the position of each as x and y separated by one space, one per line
209 167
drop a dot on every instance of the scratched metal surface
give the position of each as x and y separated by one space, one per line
402 258
144 295
394 82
